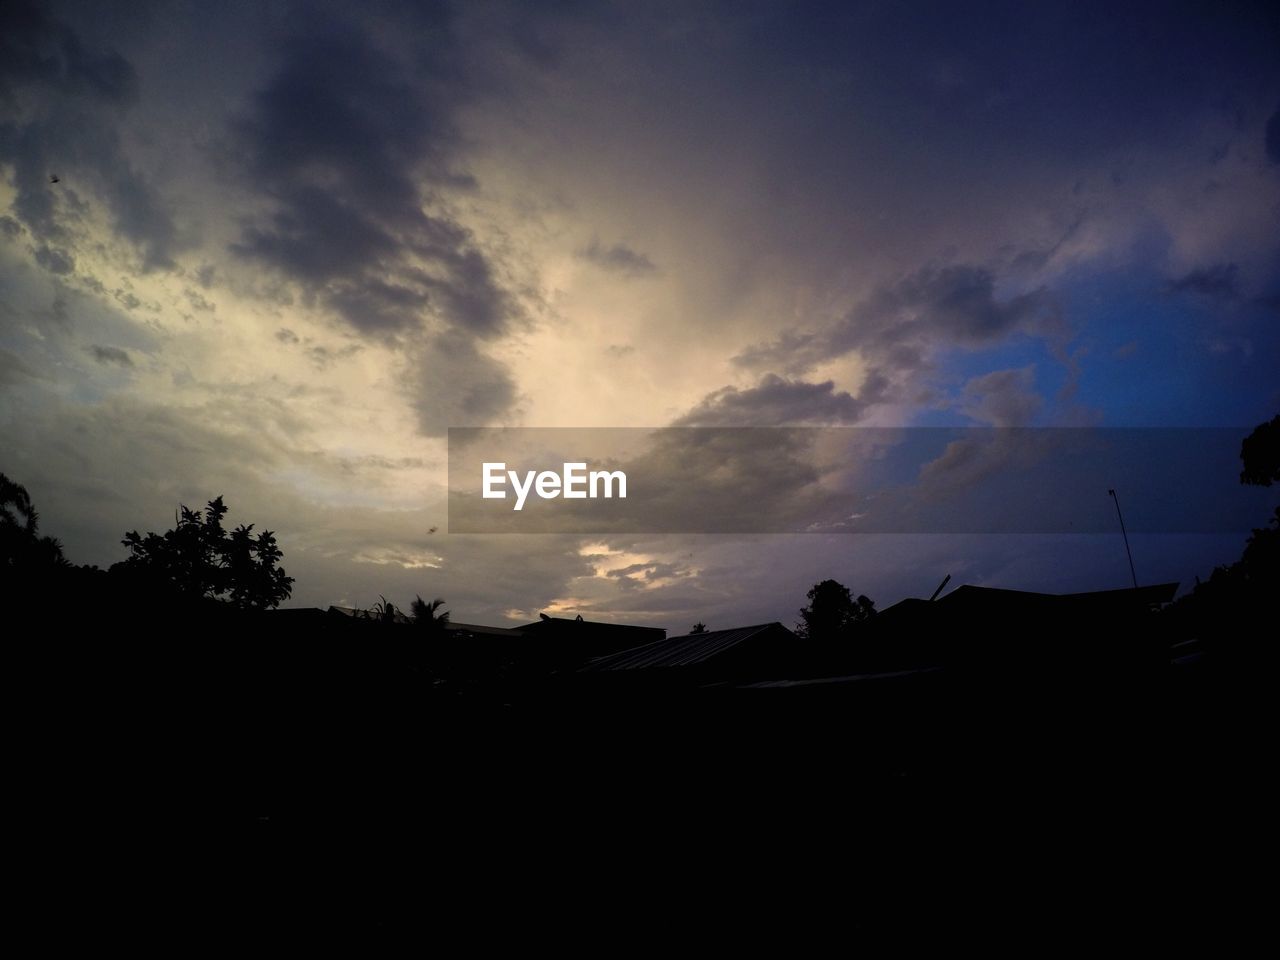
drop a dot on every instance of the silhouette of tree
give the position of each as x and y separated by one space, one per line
199 559
699 627
384 611
1260 454
1228 608
429 616
832 610
21 546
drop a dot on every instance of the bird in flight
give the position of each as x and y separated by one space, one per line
54 178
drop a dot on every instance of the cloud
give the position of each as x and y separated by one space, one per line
37 49
619 259
1002 398
899 325
352 144
198 301
776 401
323 357
111 355
649 574
353 148
13 369
956 304
454 384
1219 281
66 101
56 261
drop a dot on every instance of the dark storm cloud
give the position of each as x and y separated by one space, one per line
619 259
776 401
64 100
111 355
56 261
454 384
955 304
895 330
350 143
897 324
353 144
1218 282
1002 398
37 49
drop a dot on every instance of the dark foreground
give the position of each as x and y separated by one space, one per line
358 789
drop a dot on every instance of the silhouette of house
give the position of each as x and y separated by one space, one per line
975 602
568 642
550 642
985 625
454 628
754 652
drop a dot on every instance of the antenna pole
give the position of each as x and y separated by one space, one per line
945 581
1124 534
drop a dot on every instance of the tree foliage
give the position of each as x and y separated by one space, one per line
1260 454
832 610
200 559
21 546
1229 607
429 616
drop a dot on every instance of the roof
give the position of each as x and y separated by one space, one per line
359 613
685 651
1154 593
480 628
997 599
577 623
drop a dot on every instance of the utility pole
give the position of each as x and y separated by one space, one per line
1132 573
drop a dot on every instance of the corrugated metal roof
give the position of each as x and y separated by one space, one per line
852 678
563 624
683 651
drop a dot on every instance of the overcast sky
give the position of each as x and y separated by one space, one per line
291 244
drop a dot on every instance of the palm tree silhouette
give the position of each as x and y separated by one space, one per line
20 542
429 616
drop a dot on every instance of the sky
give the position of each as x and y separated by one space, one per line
290 245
